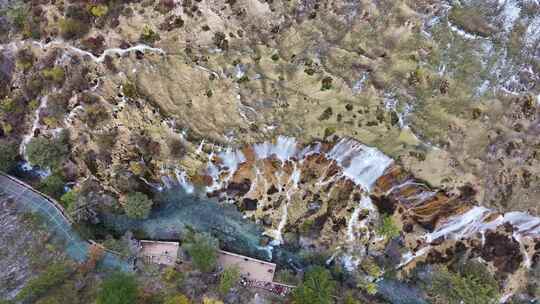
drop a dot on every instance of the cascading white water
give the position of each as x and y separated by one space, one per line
292 185
35 126
182 179
362 164
409 256
283 149
475 221
107 52
353 225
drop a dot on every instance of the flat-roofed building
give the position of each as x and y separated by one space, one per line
249 268
158 252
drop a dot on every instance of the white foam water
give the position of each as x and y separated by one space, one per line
231 159
362 164
409 256
353 225
284 148
107 52
35 125
182 179
475 221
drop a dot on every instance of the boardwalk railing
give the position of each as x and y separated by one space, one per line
60 210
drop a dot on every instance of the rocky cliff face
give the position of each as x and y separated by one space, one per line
334 196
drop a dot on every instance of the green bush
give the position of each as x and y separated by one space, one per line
228 279
326 83
119 288
138 205
47 153
172 276
388 228
69 198
202 249
53 276
8 156
148 35
55 74
53 185
177 299
317 287
99 10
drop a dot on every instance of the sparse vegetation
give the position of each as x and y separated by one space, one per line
53 276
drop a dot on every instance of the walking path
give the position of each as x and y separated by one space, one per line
57 221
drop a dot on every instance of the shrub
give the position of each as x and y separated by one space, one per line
8 156
172 276
53 276
148 35
317 287
177 299
349 299
228 279
207 300
326 83
119 288
387 228
71 28
53 185
55 74
286 276
130 90
138 205
99 10
68 198
202 249
47 153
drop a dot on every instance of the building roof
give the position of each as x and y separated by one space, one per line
165 253
250 268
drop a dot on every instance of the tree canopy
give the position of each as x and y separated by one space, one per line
138 205
317 287
202 249
47 153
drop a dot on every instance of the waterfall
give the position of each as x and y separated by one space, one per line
353 224
283 149
182 179
200 147
292 183
409 256
35 125
231 159
362 164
